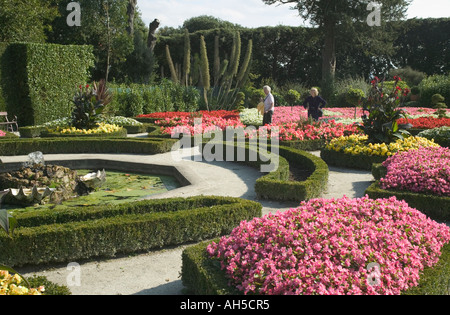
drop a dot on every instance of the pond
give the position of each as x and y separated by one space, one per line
120 187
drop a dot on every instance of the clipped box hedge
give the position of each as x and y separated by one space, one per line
75 145
202 275
276 184
340 159
39 80
436 207
103 231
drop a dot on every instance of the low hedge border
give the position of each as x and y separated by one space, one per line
276 185
340 159
121 133
435 207
104 231
9 147
202 275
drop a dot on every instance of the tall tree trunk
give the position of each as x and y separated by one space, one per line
131 12
329 50
151 40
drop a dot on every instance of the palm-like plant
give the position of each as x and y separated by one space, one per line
381 124
90 103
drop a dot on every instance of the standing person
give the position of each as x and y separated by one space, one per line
269 106
314 104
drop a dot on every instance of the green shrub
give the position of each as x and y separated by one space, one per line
39 80
107 230
435 84
340 159
76 145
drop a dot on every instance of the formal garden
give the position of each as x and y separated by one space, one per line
148 90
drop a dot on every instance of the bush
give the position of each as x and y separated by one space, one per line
106 230
39 80
78 145
410 76
435 84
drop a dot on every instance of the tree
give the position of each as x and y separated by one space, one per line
328 15
25 20
104 25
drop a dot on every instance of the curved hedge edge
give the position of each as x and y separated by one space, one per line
126 232
435 207
305 145
202 275
276 184
340 159
269 187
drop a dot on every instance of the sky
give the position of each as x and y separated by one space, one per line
254 13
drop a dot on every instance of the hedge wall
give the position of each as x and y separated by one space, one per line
11 147
104 231
3 47
39 80
203 276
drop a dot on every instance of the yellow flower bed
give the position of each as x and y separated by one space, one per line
357 144
10 285
103 128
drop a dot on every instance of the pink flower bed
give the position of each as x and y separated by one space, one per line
317 130
2 133
326 246
426 170
197 125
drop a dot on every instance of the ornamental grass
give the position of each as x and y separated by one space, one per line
328 246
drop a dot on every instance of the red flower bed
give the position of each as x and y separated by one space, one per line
426 122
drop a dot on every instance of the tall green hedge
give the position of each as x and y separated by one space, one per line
38 80
3 47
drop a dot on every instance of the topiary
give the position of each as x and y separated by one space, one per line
437 100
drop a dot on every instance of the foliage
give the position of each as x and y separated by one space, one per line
89 103
104 26
126 228
440 135
381 125
292 97
434 84
38 80
25 20
437 100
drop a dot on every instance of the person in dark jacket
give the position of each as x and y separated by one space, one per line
314 104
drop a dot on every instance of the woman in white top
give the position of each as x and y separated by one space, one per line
269 105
